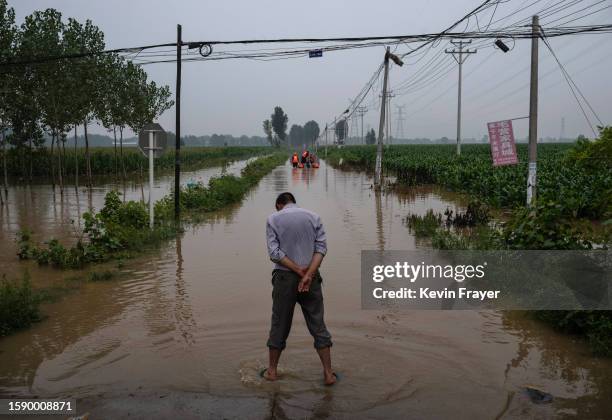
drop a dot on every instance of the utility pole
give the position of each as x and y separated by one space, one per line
381 125
361 111
533 113
562 133
400 121
335 131
177 149
325 140
460 59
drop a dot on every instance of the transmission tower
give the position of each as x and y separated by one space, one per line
399 133
361 111
390 95
562 133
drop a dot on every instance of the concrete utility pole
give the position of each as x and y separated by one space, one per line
533 113
177 149
460 59
151 177
381 125
361 111
325 140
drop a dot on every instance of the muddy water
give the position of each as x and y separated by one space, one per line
47 213
192 320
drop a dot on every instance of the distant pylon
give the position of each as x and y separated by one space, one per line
399 133
361 111
562 133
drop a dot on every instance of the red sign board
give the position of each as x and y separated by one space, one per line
501 137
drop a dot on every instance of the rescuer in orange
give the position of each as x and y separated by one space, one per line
295 160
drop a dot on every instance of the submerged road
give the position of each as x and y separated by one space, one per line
183 330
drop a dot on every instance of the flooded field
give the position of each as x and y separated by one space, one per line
183 329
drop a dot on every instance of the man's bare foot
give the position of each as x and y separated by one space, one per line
270 374
330 378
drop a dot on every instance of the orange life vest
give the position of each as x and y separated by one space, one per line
294 159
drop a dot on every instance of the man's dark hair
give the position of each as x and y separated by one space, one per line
285 198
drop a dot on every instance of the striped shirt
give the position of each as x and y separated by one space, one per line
296 233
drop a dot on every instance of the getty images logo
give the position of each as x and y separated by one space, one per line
413 272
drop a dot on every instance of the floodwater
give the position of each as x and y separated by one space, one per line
183 329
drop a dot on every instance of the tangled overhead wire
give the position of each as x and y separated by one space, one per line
204 48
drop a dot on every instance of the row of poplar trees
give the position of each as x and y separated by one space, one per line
44 95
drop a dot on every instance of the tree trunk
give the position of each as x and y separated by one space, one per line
5 169
76 160
141 182
121 151
31 156
64 158
59 164
52 163
23 173
87 157
115 156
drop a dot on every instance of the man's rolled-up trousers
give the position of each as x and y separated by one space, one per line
284 297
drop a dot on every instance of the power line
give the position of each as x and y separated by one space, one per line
573 86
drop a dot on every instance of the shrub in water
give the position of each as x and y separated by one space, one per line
18 305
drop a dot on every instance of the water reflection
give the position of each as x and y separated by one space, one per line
182 308
379 220
194 316
47 213
556 358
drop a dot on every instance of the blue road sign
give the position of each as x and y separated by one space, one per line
315 53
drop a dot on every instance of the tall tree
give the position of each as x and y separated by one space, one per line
279 122
311 131
41 35
8 31
341 130
296 135
267 128
370 137
148 101
86 72
113 107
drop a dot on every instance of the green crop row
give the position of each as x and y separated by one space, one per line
105 161
583 190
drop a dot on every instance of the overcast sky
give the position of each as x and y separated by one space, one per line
234 96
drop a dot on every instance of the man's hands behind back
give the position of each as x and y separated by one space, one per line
304 284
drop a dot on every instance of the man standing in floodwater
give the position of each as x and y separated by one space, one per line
297 245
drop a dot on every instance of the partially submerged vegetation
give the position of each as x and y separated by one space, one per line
19 305
576 177
542 227
104 161
121 228
574 185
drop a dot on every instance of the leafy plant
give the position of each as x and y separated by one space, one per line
424 226
18 305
